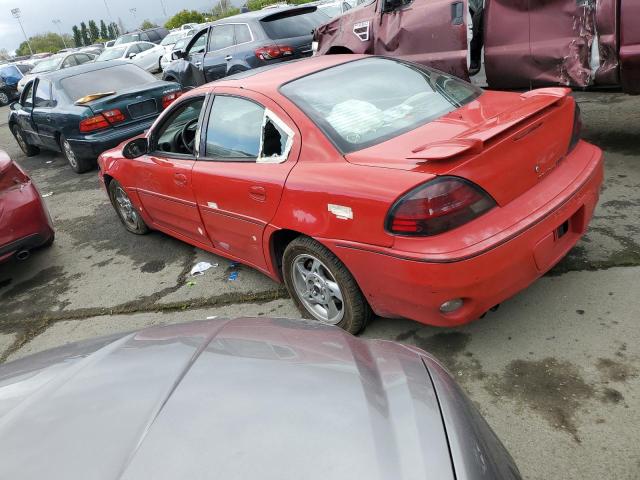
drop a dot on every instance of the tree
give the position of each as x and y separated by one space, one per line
104 33
224 9
116 30
85 34
77 37
4 54
44 42
184 16
147 24
94 33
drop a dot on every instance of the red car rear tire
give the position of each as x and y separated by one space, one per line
322 287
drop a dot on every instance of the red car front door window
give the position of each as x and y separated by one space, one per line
164 179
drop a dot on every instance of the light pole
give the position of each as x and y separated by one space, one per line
133 12
164 10
57 24
16 14
108 11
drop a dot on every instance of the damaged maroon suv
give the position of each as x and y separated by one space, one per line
577 43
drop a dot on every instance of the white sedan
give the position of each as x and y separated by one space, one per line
144 54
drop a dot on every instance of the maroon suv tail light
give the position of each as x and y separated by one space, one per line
270 52
437 206
577 128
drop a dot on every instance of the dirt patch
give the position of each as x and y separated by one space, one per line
450 348
104 232
41 292
614 371
154 266
611 395
554 389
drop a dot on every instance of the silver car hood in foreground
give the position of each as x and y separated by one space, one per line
250 399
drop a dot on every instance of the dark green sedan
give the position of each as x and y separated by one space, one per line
83 111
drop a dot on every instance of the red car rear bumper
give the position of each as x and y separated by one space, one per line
25 222
398 283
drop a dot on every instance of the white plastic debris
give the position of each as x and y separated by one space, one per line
48 194
201 267
212 317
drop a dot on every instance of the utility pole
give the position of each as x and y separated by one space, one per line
108 11
164 10
16 14
57 23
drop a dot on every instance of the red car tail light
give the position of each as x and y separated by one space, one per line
577 128
114 116
12 177
437 206
169 98
97 122
102 120
270 52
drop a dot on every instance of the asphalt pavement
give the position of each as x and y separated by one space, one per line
554 370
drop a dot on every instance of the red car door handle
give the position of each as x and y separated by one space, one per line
257 193
180 179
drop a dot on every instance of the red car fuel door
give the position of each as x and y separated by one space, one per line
164 176
249 146
429 32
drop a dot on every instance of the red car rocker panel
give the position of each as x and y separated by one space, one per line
367 184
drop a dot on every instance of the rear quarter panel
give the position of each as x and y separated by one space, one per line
322 176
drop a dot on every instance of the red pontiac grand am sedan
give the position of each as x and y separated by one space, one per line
25 222
368 184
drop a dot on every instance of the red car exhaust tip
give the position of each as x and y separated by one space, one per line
23 254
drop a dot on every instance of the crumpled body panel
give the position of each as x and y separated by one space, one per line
186 73
553 42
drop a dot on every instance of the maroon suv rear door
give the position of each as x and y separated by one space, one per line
430 32
630 46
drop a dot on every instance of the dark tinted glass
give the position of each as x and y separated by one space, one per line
43 94
243 34
375 99
221 37
234 129
153 36
144 46
83 58
111 79
144 37
70 61
27 94
293 24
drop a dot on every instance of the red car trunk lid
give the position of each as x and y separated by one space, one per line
504 143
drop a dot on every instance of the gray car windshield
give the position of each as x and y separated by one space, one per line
110 79
365 102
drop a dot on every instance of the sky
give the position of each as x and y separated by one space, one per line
37 15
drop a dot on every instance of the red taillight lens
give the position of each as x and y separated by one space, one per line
577 128
270 52
12 177
438 206
97 122
102 120
169 98
114 116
